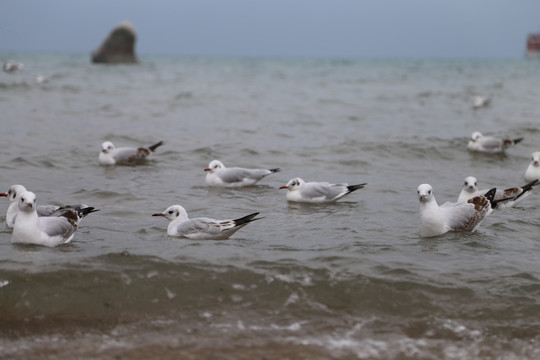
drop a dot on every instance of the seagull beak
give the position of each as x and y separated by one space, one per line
207 169
158 214
284 187
4 194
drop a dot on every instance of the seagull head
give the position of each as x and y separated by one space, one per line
27 201
215 165
425 193
476 135
535 159
174 212
14 192
107 147
470 184
294 184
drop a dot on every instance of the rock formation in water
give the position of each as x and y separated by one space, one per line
118 47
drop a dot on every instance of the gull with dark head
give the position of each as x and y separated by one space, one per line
46 231
13 194
219 175
317 192
490 144
202 228
533 170
437 220
502 199
110 155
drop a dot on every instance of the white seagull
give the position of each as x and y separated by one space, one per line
202 227
14 193
480 101
11 66
42 79
317 192
219 175
533 171
490 144
503 198
110 155
46 231
437 220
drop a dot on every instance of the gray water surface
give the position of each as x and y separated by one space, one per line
346 280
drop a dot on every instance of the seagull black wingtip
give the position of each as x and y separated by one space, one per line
155 146
352 188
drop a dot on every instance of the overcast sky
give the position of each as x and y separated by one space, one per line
305 28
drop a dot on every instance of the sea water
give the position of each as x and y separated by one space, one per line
349 280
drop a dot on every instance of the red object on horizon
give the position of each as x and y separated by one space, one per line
533 44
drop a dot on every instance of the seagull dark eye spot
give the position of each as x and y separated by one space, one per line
170 211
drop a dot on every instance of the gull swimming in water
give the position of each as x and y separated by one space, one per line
437 220
533 170
42 79
11 66
317 192
14 193
202 228
490 144
219 175
46 231
110 155
503 198
480 101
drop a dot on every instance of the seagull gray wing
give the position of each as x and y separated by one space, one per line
204 226
130 155
491 143
323 189
232 175
460 216
57 227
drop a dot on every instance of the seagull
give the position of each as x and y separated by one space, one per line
437 220
219 175
503 198
42 79
46 231
202 228
14 193
480 102
109 155
489 144
533 171
11 66
317 192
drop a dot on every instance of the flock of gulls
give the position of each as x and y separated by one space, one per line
474 205
52 225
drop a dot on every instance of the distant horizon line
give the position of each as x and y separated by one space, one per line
140 55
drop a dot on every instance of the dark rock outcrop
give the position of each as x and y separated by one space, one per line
118 47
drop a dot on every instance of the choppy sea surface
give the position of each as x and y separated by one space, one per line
350 280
